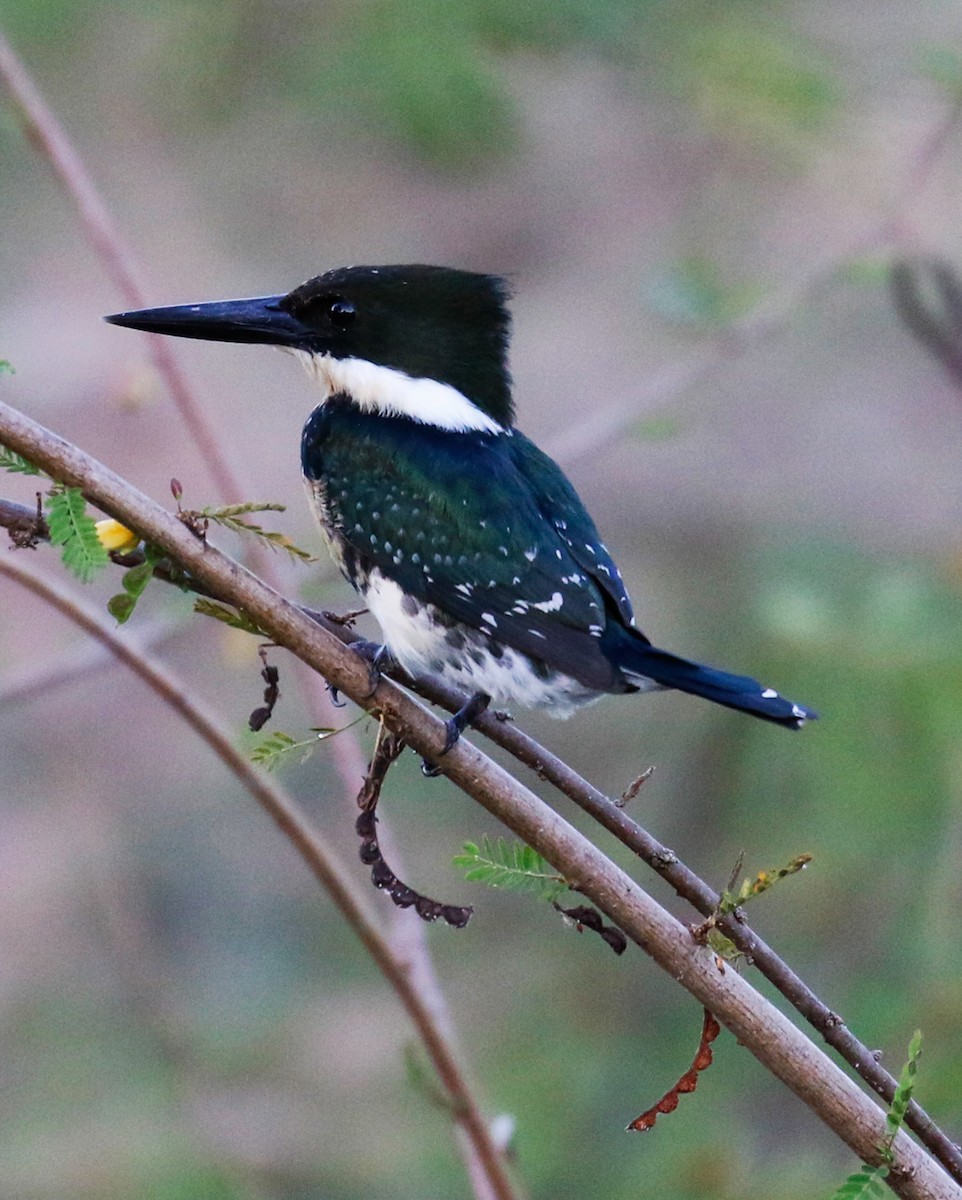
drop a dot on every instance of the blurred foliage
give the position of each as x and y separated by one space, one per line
434 77
754 83
692 291
943 65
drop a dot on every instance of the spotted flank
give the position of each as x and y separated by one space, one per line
426 640
402 499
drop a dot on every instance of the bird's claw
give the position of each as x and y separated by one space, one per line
376 655
454 726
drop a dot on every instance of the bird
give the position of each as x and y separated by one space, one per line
467 543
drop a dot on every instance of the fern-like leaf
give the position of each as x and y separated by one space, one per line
867 1182
229 517
510 865
10 460
275 749
269 752
903 1094
73 529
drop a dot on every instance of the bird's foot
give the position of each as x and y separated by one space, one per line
455 726
377 657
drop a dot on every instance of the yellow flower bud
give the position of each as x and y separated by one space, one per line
114 536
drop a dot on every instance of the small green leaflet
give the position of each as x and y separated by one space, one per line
903 1094
867 1183
863 1185
10 460
510 865
73 529
6 368
134 580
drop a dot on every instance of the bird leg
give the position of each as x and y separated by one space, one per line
472 708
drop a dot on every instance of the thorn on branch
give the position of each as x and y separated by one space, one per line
633 788
26 528
387 750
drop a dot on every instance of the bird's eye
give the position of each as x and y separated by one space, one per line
341 313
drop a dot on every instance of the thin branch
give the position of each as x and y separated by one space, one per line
927 297
326 868
766 1032
889 231
48 137
689 886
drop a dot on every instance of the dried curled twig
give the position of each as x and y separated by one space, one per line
586 917
386 751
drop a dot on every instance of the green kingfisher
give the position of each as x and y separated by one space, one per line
468 544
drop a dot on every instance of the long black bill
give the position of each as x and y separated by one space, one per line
259 320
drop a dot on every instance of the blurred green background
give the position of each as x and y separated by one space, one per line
697 205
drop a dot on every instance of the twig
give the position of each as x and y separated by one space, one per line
332 876
666 863
47 135
705 900
765 1031
938 326
387 750
888 232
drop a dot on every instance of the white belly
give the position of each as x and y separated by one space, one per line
426 642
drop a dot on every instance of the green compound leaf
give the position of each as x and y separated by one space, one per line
229 516
868 1181
510 865
903 1094
276 748
73 529
864 1185
10 460
269 752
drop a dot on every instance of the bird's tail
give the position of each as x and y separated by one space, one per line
741 692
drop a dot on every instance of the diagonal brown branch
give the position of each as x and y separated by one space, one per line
46 133
767 1033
